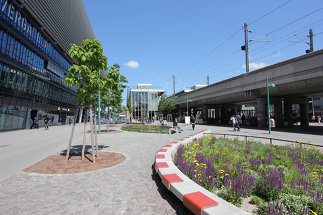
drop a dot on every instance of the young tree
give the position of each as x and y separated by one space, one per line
86 75
113 88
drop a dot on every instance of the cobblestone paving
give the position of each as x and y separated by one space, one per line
131 187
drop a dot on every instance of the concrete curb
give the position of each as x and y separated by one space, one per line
194 197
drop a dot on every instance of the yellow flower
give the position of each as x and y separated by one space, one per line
222 177
226 174
313 212
222 187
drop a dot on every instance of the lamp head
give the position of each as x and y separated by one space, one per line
272 85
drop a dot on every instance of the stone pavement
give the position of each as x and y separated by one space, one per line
131 187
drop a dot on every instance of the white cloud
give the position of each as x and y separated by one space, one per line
255 66
132 64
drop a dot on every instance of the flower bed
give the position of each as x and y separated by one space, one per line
278 179
146 128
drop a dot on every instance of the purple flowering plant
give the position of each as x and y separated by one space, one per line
240 169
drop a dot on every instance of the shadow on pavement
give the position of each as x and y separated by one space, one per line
172 200
77 149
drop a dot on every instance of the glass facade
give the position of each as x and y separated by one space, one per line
145 100
32 71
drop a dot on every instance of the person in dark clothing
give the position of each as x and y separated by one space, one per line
193 122
46 122
238 121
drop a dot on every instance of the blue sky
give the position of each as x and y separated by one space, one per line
152 40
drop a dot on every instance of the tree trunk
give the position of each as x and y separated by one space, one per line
108 127
71 137
85 131
96 135
92 136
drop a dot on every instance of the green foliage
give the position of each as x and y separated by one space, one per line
166 105
282 175
86 75
265 192
113 87
233 199
255 200
294 203
146 128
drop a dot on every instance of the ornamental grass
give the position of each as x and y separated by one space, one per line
286 179
146 128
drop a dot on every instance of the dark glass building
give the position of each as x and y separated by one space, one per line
34 43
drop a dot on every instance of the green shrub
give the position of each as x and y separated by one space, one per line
233 199
255 200
294 204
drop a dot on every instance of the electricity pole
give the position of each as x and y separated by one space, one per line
311 40
174 84
246 46
208 80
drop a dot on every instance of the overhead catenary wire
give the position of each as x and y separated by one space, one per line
266 14
230 37
260 50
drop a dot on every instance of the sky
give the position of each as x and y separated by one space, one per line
154 40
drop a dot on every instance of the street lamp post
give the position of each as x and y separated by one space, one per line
187 105
268 107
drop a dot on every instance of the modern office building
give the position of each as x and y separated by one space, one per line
145 100
34 41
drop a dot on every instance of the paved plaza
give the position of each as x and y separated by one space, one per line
131 187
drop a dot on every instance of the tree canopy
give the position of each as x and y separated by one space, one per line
87 76
166 104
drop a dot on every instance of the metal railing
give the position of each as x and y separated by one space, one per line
267 138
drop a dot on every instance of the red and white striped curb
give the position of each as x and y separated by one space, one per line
193 196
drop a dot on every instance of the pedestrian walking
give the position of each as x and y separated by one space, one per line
31 123
319 119
46 122
69 121
193 122
238 117
36 123
234 120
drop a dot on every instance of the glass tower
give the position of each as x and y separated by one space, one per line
145 100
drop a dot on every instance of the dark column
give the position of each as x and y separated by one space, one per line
304 113
278 113
204 112
288 110
303 103
261 112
